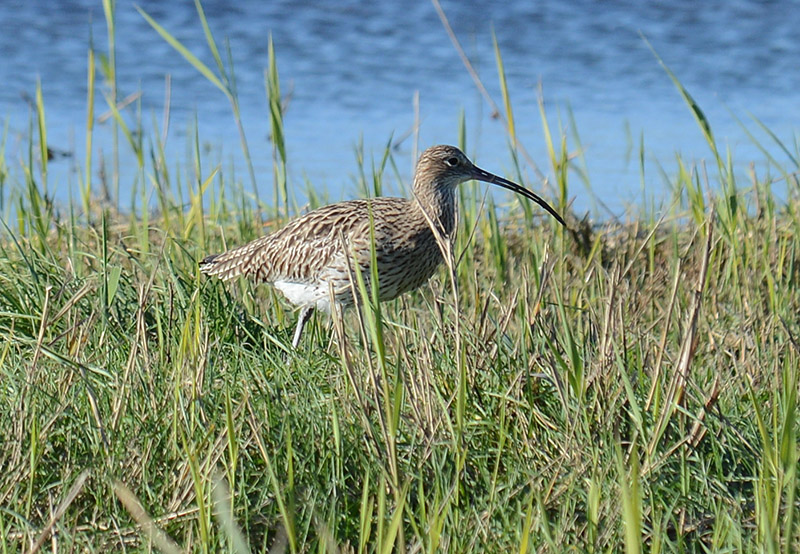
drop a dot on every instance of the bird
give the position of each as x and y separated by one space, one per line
312 259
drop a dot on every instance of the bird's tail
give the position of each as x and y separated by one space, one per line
230 264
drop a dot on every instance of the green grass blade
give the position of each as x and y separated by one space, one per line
501 72
204 70
699 116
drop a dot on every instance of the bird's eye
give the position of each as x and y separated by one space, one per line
452 161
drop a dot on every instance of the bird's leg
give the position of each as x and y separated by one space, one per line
305 315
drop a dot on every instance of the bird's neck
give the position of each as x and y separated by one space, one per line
437 204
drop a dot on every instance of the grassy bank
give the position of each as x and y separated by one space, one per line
613 387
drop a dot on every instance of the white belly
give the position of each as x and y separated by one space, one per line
304 294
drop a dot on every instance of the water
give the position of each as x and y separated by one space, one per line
352 68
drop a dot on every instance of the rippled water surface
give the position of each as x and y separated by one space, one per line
351 69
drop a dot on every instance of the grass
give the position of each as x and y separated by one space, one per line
615 387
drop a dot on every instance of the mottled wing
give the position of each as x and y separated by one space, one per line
301 250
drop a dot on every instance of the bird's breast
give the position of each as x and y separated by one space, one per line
407 263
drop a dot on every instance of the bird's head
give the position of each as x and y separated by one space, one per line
441 168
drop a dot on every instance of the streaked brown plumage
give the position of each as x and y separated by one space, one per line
308 257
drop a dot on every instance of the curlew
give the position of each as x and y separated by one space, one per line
310 260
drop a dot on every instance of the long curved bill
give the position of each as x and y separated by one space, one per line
491 178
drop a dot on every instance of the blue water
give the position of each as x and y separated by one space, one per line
350 70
